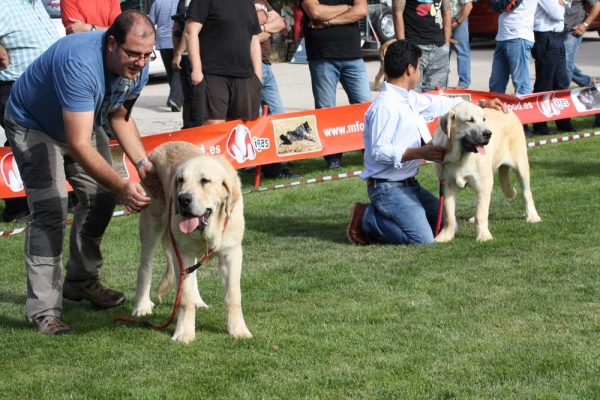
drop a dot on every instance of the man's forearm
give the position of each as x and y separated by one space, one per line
4 59
193 48
128 136
447 22
397 14
353 14
256 56
323 13
465 12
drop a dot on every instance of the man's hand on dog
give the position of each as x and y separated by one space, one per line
134 197
496 104
433 153
149 177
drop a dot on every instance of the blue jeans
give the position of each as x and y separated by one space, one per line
401 214
325 75
435 61
576 75
270 91
463 53
511 58
270 96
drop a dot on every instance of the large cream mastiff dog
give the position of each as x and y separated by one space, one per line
477 143
203 192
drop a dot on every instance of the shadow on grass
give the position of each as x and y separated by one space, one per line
572 168
11 298
85 318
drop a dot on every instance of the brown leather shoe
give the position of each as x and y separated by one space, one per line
94 291
355 234
50 325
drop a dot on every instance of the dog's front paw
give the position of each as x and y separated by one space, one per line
484 237
444 236
533 218
241 333
184 336
199 303
142 308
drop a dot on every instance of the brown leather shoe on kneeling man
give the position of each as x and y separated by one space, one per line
355 234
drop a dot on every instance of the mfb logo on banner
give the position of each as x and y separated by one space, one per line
10 173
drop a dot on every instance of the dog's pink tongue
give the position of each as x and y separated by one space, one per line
189 224
480 150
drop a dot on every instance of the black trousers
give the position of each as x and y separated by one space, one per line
550 66
192 96
16 207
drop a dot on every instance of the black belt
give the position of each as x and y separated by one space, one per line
551 33
412 181
6 83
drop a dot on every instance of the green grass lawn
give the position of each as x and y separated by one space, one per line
517 317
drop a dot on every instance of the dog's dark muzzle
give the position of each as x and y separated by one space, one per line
470 145
184 200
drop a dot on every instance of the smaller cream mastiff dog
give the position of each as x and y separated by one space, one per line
207 214
478 142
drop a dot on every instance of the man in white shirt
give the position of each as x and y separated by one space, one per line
401 210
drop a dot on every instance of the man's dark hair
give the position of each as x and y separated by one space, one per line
129 20
399 56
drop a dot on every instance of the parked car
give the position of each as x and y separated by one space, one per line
156 67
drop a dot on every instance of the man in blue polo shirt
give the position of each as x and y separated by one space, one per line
53 123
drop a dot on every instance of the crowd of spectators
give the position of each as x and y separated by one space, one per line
62 100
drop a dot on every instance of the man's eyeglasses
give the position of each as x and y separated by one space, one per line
136 56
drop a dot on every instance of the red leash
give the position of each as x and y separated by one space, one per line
182 273
438 225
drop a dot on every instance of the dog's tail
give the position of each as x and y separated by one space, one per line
504 180
168 280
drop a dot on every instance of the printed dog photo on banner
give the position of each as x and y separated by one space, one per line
297 135
586 99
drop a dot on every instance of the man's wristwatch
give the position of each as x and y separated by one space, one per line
327 24
93 28
586 24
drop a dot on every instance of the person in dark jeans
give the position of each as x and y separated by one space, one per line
192 116
161 13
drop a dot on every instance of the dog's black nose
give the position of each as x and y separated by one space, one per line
184 200
487 134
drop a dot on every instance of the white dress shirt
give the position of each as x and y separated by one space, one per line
392 127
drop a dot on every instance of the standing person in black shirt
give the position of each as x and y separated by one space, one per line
333 50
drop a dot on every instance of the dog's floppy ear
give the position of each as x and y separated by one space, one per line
231 184
233 191
446 122
174 191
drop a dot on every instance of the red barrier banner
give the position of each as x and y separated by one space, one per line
313 133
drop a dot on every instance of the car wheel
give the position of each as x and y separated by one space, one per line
383 23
